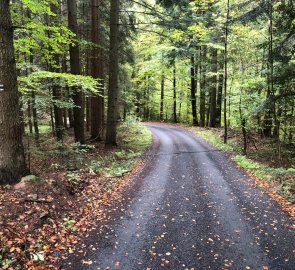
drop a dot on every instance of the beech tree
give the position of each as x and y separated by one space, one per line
12 160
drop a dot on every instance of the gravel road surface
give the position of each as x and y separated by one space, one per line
193 209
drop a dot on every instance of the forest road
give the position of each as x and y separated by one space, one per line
194 209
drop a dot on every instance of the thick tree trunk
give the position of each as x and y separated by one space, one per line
193 91
114 92
213 89
97 71
76 70
12 159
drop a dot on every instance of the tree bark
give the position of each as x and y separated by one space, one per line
29 115
114 92
225 71
77 94
162 97
213 88
174 93
219 94
97 71
56 93
12 158
203 86
193 91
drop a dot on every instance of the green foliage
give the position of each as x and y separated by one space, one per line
284 176
95 166
211 137
72 178
39 256
118 168
39 81
133 136
69 224
4 261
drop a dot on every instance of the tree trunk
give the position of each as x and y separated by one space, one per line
12 158
213 89
56 93
88 111
219 95
35 116
225 71
33 97
29 115
58 113
162 97
71 117
174 93
243 124
77 94
65 118
114 92
193 91
97 102
203 86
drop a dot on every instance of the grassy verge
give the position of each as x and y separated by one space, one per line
282 180
133 140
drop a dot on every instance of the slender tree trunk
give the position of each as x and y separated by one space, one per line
76 70
114 92
56 93
88 111
225 72
203 86
243 124
272 89
292 124
35 116
29 115
71 118
193 91
174 93
12 158
33 97
219 95
213 89
162 97
52 120
97 102
58 113
65 118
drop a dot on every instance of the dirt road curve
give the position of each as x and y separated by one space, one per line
194 210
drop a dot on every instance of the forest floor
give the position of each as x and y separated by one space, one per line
44 215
